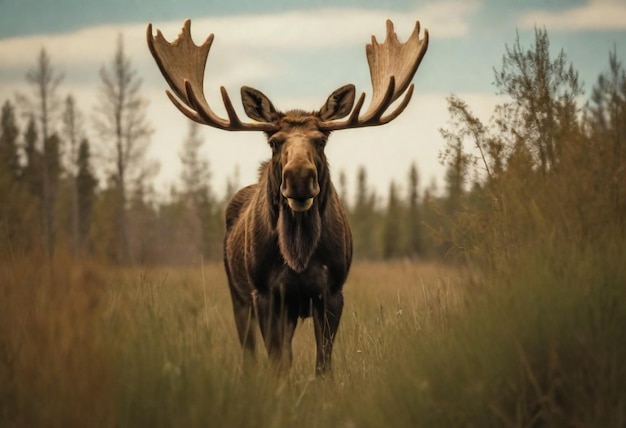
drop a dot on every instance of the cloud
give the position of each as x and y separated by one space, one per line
594 15
321 28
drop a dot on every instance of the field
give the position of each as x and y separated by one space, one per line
420 344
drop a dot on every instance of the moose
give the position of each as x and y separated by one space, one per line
288 244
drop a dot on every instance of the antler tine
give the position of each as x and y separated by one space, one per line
182 64
392 66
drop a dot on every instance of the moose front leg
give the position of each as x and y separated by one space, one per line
277 321
326 315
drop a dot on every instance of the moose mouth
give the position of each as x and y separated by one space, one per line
297 204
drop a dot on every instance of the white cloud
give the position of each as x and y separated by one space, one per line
294 30
594 15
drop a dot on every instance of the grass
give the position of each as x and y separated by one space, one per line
420 344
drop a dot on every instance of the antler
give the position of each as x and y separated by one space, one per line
182 64
392 66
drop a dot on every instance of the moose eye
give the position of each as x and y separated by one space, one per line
321 142
275 143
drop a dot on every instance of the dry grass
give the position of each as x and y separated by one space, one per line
88 345
420 344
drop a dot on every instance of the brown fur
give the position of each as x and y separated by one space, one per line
284 264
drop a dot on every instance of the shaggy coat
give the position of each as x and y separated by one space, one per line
283 264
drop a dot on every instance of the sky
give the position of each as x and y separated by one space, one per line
297 52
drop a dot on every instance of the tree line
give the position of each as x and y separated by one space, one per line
545 170
541 155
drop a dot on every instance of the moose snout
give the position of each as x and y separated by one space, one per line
300 186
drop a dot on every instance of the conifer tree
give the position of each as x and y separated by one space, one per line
198 198
607 122
44 106
72 133
122 126
392 233
86 184
9 133
31 172
363 219
414 221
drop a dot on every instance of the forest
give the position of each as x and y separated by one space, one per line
499 300
96 200
52 198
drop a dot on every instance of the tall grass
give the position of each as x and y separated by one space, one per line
543 345
420 344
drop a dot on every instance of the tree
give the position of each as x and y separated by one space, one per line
363 219
458 164
196 174
44 105
9 133
414 222
392 232
197 196
122 125
544 97
72 131
31 172
9 184
606 118
86 184
232 183
343 188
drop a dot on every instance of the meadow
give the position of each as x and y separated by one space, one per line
420 344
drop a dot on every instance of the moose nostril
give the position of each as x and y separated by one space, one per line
300 182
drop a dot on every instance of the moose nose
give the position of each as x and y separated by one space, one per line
300 186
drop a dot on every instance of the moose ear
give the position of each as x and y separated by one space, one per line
339 104
257 106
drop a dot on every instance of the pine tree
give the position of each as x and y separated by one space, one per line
203 226
607 122
9 133
31 173
392 233
86 184
343 188
72 131
363 219
232 183
19 208
122 125
44 105
196 173
414 221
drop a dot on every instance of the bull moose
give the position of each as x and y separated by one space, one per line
288 245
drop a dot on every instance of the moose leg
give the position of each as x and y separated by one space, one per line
245 321
326 316
278 323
